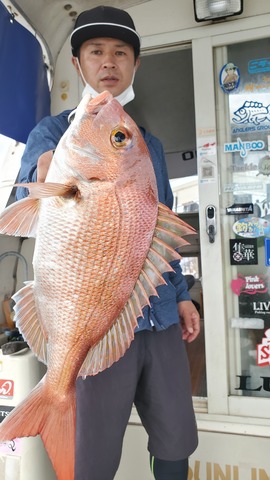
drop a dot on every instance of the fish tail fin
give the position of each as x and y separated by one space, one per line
55 423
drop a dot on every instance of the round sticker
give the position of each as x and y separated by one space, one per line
229 77
251 227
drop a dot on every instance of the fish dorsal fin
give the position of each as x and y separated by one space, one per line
167 236
20 218
26 320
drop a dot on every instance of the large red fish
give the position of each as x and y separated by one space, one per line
102 244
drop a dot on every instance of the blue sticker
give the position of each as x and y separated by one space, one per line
259 65
243 147
229 77
267 251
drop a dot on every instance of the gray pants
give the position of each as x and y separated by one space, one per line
153 374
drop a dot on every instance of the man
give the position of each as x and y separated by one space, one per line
154 372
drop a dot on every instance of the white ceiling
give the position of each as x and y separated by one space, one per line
54 19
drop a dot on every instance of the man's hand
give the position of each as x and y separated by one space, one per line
189 319
43 164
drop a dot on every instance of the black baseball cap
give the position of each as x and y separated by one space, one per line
104 21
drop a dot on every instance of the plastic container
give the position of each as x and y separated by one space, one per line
24 458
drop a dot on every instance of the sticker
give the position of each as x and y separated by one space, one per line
208 148
260 307
267 251
6 389
206 155
206 132
240 209
4 411
229 77
243 147
249 323
258 162
207 170
249 284
244 251
259 65
251 227
240 187
264 166
244 167
251 87
263 350
12 447
252 112
255 306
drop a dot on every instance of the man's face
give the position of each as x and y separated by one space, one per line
107 64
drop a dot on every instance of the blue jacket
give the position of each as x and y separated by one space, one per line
45 136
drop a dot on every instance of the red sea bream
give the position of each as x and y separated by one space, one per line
102 244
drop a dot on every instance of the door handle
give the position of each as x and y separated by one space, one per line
211 227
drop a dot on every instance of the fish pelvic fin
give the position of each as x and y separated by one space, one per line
20 218
28 323
55 423
168 235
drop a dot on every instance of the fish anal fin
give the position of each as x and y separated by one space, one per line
114 344
27 321
20 218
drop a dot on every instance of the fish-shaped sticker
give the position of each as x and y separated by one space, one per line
252 112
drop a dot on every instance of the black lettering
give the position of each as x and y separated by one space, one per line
266 384
243 384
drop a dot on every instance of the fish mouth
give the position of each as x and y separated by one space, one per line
98 103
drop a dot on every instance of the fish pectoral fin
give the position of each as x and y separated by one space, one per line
27 321
40 190
20 218
114 344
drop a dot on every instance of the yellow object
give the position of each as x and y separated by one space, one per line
8 312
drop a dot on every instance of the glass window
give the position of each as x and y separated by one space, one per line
186 194
243 117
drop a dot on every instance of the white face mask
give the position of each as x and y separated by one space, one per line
125 97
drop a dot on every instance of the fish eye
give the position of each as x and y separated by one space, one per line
120 137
